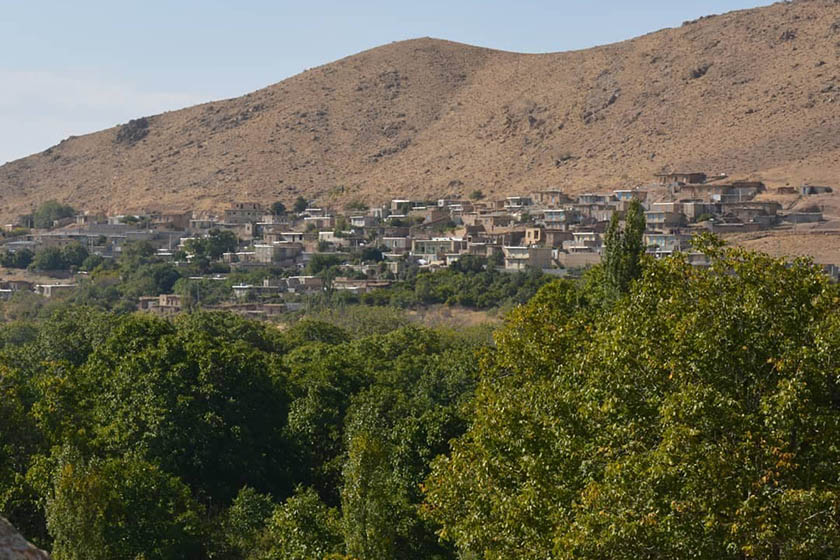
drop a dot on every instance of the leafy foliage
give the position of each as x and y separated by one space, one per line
214 245
300 529
623 250
278 208
121 508
49 212
300 204
63 258
696 417
134 436
468 282
21 258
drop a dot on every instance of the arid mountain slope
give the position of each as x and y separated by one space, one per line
753 93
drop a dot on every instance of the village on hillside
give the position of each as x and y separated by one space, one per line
546 230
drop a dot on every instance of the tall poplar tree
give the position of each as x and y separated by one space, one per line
624 248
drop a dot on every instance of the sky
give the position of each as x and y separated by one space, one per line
69 68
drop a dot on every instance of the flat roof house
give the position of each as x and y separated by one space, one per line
521 258
687 178
244 212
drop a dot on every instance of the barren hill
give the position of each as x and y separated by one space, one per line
754 93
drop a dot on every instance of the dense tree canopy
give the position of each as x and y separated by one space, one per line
58 258
697 417
128 436
694 414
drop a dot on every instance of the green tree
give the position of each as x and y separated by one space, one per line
202 397
369 501
695 418
391 438
137 250
278 208
476 195
21 258
20 440
300 205
307 330
74 254
121 508
50 211
301 529
149 279
214 245
91 262
321 262
623 250
49 258
244 522
371 254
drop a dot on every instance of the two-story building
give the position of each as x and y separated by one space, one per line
244 212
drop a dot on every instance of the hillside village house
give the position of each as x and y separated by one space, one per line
522 258
362 221
691 178
164 304
809 190
658 219
396 244
626 195
304 284
356 286
561 217
401 206
515 203
543 230
437 248
550 198
172 220
280 253
319 222
671 242
584 242
243 212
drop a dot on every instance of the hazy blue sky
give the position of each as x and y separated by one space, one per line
71 67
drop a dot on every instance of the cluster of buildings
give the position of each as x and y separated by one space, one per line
548 230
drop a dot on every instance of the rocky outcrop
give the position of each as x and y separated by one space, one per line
14 547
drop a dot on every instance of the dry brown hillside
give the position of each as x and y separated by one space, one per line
752 93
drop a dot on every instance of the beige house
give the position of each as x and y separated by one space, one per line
521 258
